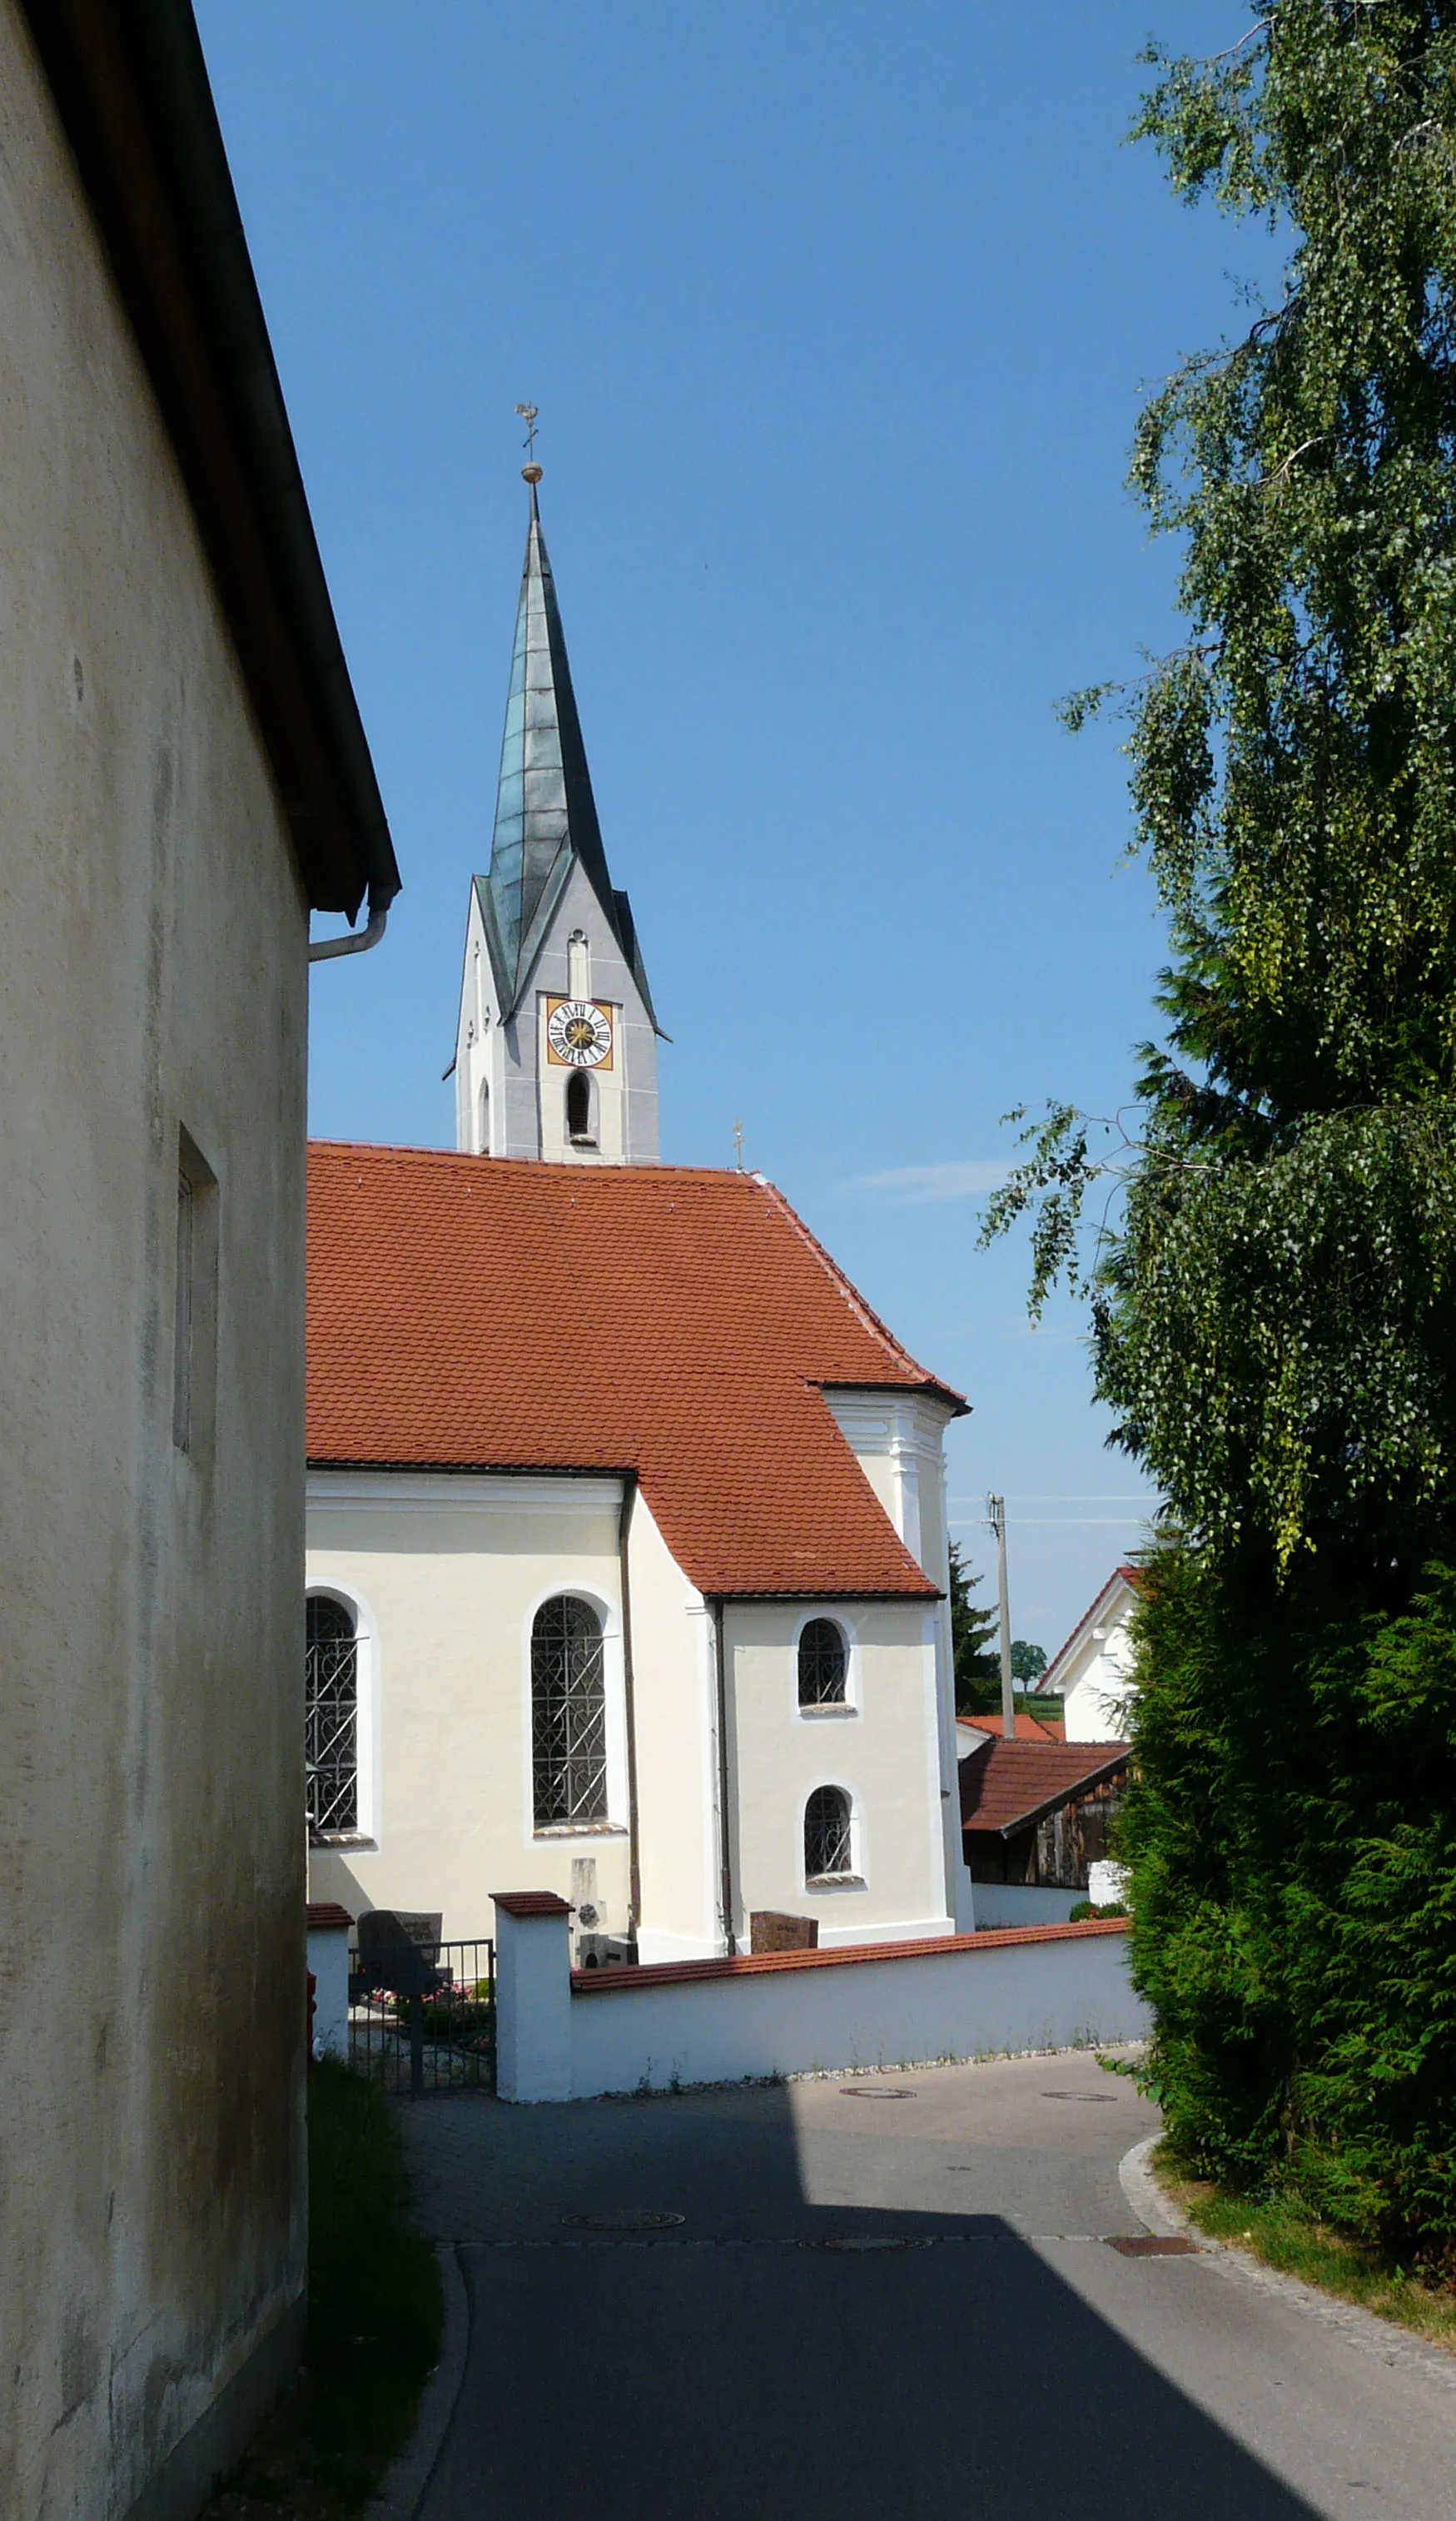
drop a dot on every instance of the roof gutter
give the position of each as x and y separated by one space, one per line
629 1692
325 947
716 1605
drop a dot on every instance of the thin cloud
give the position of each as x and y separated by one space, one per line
927 1185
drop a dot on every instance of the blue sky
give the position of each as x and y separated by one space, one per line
837 313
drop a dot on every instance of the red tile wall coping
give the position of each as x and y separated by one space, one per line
327 1913
607 1982
531 1904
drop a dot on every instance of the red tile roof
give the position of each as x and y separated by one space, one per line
1009 1786
531 1904
1029 1729
468 1313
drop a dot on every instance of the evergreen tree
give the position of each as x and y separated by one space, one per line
972 1629
1274 1310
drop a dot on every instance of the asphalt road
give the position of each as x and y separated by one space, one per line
879 2307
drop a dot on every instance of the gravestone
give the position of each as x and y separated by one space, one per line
771 1930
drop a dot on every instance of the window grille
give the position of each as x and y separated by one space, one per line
828 1852
568 1714
331 1716
823 1664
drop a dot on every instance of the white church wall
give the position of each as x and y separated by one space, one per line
881 1749
675 1750
452 1572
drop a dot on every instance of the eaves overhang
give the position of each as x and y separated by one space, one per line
130 85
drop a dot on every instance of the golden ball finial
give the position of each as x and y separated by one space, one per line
530 473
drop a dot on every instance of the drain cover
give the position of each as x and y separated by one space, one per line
629 2219
1150 2245
856 2241
877 2092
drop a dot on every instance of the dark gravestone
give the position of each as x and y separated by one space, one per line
399 1951
770 1930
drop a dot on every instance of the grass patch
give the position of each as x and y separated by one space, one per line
1285 2235
373 2321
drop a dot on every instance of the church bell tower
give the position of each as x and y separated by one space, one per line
556 1051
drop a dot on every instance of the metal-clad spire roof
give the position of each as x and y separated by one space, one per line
545 814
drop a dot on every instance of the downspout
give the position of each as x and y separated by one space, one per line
623 1534
327 948
725 1843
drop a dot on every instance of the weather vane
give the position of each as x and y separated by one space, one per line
738 1140
531 469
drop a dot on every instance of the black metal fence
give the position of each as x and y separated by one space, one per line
422 2016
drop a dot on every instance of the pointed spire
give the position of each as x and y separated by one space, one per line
545 814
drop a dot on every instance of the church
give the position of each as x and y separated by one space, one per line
628 1547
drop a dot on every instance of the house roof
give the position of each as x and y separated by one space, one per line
545 811
131 87
1010 1786
1127 1575
1029 1729
471 1314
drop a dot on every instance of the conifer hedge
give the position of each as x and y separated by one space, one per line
1274 1301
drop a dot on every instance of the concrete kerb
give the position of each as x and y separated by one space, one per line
404 2486
1365 2330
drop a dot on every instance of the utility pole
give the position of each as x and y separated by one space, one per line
996 1517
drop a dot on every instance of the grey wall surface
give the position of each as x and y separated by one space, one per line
152 982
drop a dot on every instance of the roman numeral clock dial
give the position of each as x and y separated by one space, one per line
578 1034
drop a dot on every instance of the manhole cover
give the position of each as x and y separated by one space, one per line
1150 2245
629 2219
880 2093
864 2242
1080 2096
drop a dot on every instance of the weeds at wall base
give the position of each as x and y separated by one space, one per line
1284 2234
375 2317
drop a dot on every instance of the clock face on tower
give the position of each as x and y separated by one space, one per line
578 1034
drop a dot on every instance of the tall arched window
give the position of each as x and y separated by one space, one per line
578 1108
332 1716
484 1139
568 1714
829 1854
823 1664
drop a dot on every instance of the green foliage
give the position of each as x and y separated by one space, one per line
374 2321
978 1670
1291 1836
1027 1661
1269 1250
1273 1306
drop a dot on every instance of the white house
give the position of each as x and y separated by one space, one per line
628 1551
1092 1672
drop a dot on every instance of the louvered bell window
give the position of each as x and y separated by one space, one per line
569 1715
331 1716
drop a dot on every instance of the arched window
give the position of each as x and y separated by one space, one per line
568 1714
484 1140
578 1108
823 1664
331 1716
829 1854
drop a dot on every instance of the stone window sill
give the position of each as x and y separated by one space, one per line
835 1706
836 1882
581 1830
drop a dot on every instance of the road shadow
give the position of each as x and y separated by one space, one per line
747 2363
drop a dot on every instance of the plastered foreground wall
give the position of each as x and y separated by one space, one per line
961 1999
152 979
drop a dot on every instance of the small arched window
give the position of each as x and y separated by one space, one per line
578 1108
823 1664
829 1854
568 1714
330 1715
485 1138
